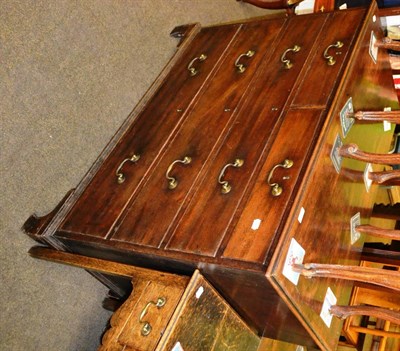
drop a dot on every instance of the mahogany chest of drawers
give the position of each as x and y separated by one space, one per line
227 160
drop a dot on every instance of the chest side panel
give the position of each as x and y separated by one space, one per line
329 198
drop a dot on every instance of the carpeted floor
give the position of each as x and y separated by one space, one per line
70 72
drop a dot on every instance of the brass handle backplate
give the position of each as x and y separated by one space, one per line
172 182
226 187
193 71
240 66
119 174
331 60
286 62
276 189
146 328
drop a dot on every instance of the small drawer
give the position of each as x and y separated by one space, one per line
255 230
194 317
139 324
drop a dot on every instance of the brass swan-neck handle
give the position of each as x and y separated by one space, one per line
329 58
120 176
226 187
172 181
276 189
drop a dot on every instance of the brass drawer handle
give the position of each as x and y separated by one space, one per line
240 66
193 71
286 62
172 182
331 60
276 188
226 187
119 174
146 328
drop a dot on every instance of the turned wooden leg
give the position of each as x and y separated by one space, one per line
381 277
389 44
352 151
379 232
389 178
386 314
377 116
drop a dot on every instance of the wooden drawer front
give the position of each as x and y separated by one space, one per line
204 321
103 200
142 306
262 215
210 213
322 78
151 213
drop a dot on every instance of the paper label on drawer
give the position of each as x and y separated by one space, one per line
256 224
199 292
301 215
367 180
373 48
295 255
329 301
177 347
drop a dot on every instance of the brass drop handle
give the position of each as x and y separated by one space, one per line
240 66
226 187
276 188
146 328
286 62
172 182
193 71
331 60
119 174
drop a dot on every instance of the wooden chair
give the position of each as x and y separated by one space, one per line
355 328
381 279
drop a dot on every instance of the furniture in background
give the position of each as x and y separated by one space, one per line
164 311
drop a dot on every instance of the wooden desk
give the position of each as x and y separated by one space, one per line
233 103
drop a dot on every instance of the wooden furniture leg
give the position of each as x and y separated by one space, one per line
379 232
381 277
352 151
377 116
344 312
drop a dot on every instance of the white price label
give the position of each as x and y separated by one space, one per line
295 255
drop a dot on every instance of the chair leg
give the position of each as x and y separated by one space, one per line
344 312
379 232
376 276
377 116
352 151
